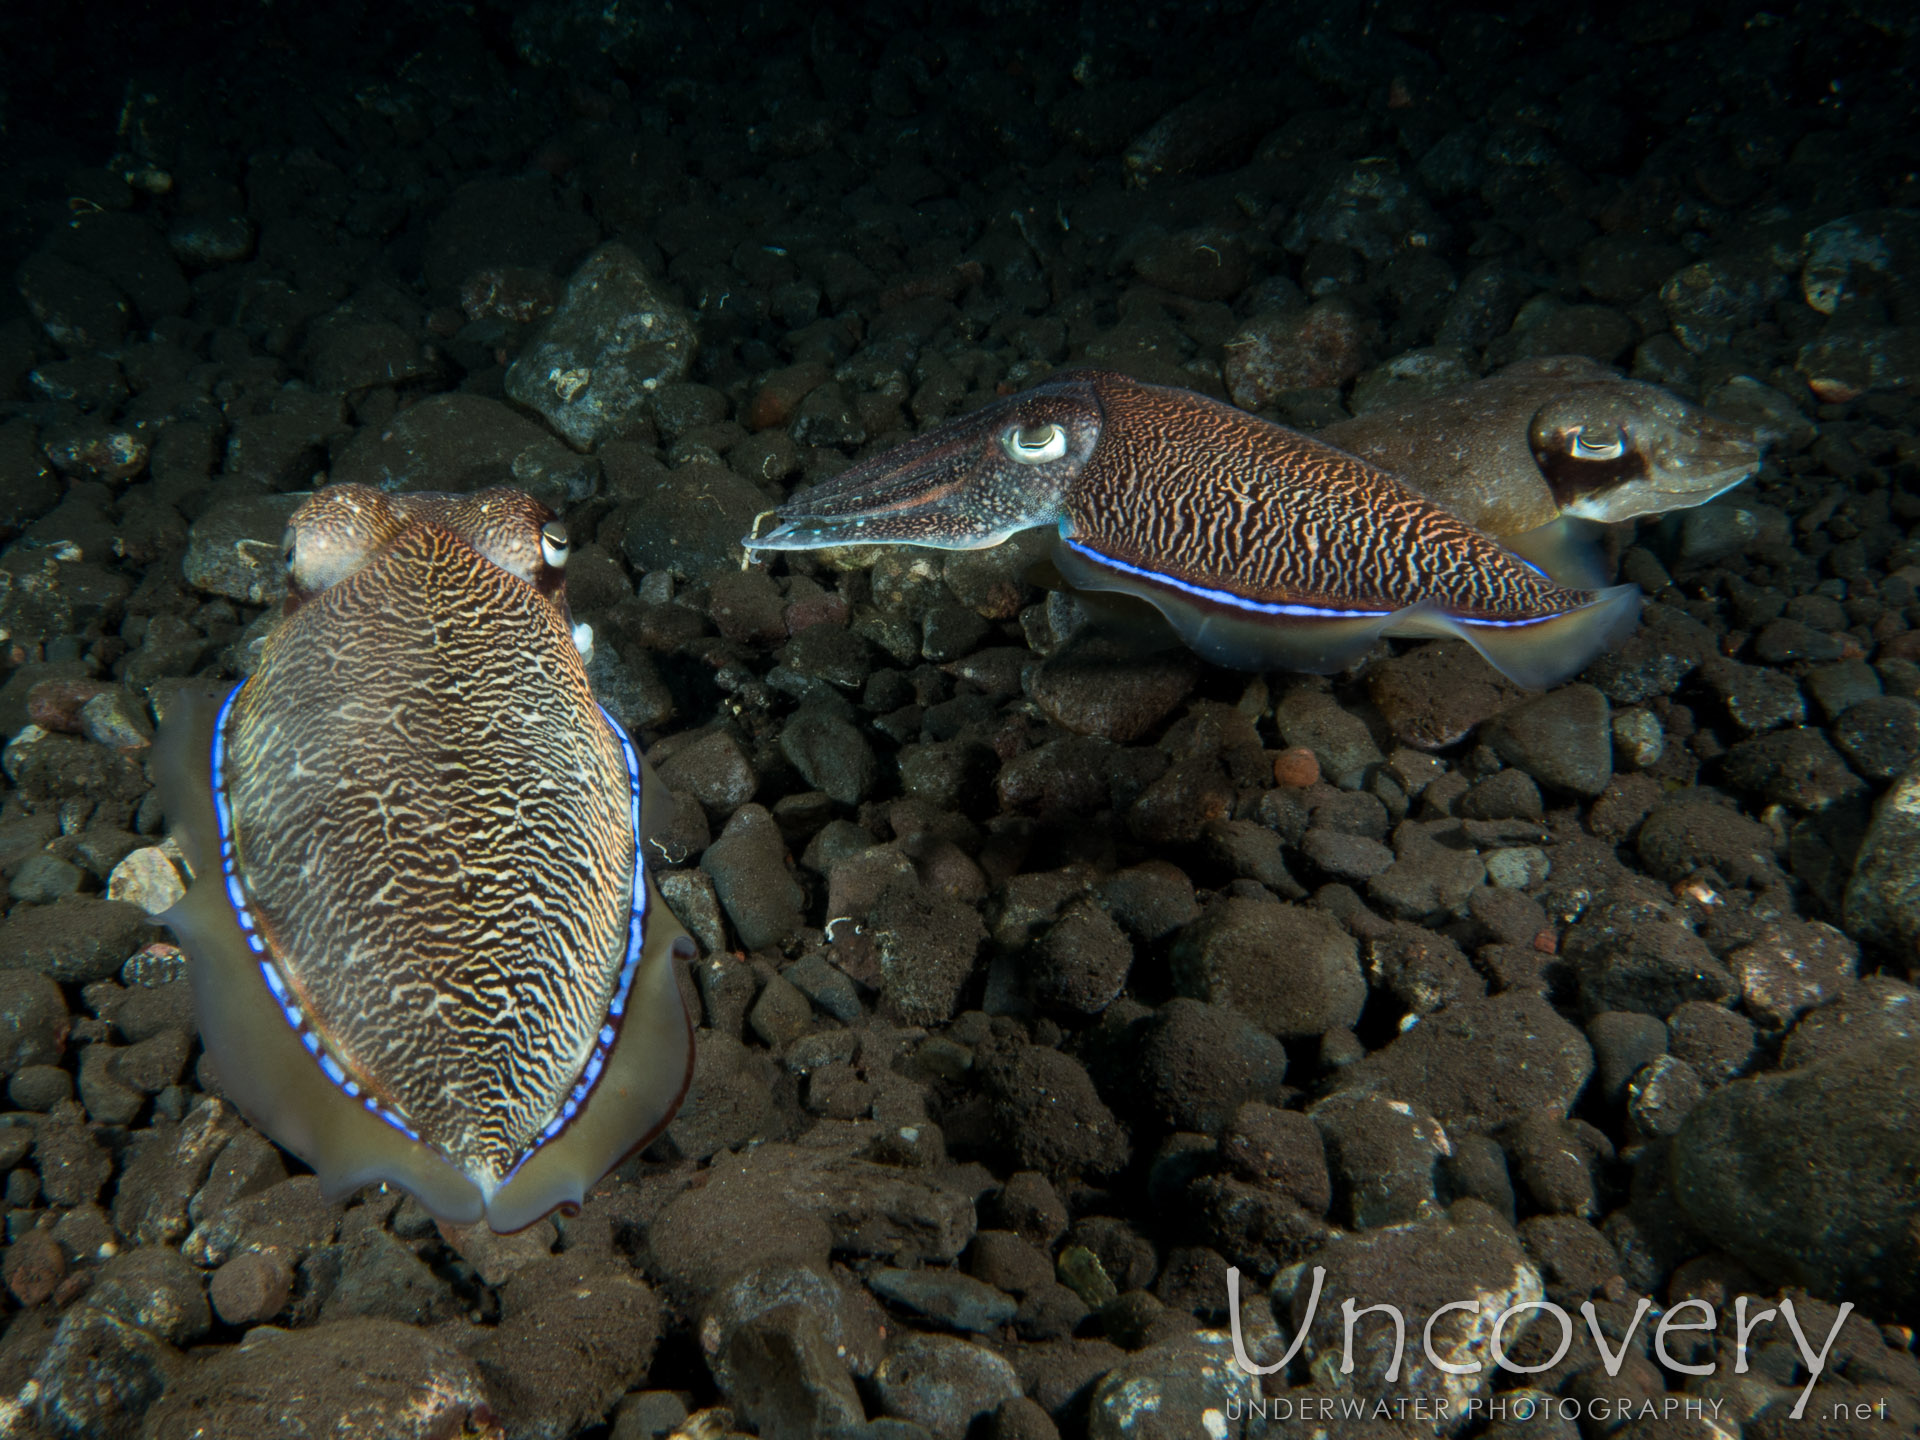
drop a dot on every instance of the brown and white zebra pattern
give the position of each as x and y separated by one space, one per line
1233 510
435 825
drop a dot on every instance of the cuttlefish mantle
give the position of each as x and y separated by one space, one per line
425 948
1264 548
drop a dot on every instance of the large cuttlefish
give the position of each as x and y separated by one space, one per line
1264 548
424 944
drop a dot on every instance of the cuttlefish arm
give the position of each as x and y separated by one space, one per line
277 1085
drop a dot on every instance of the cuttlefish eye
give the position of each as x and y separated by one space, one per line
1591 442
554 544
1034 444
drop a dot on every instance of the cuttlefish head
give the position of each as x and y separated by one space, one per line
343 528
1621 449
965 486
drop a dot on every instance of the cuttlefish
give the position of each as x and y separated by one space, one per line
1550 441
424 944
1263 547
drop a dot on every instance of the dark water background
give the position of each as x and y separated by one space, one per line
1108 956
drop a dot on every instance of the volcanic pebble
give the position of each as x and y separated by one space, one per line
1292 971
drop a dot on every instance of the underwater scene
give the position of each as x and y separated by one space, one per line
1008 721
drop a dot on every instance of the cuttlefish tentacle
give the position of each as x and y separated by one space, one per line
1263 547
426 947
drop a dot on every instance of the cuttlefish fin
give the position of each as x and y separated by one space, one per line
1537 654
1318 645
1569 550
647 1074
264 1070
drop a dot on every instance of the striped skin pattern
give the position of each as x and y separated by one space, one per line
434 822
1169 488
1187 488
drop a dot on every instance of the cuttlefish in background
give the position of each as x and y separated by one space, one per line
1551 441
425 947
1264 548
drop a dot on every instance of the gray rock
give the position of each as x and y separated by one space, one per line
1198 1064
1718 1043
1639 739
44 878
1710 533
39 1087
730 1099
1757 699
1345 857
464 442
827 986
1623 1041
33 1020
781 1014
1790 967
748 863
1282 1147
943 1383
1481 1064
613 341
1777 422
1294 972
1340 741
1562 739
1880 736
75 939
1385 1156
1878 1008
1432 875
1193 1380
957 1301
782 1341
1629 959
1662 1094
156 1290
1712 300
542 1382
392 1379
1883 896
830 753
1807 1176
1791 767
1048 1114
1095 687
1685 834
235 548
927 944
1081 963
99 1375
689 520
1417 1268
373 1274
285 446
252 1287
